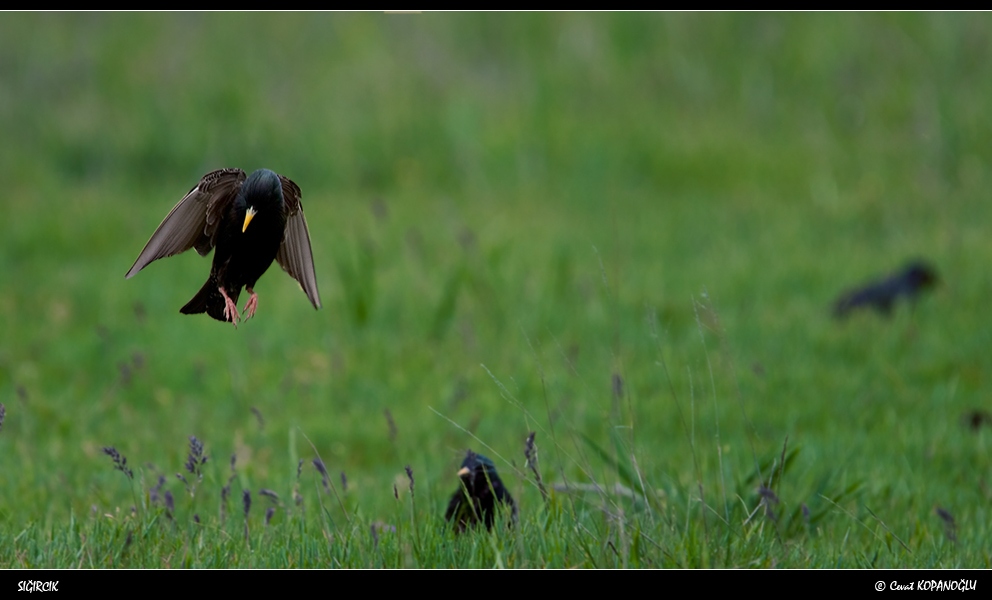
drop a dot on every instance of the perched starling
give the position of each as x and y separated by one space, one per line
882 294
251 220
478 492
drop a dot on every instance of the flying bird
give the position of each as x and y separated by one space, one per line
883 294
480 490
249 220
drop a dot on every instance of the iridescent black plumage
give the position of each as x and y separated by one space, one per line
479 492
251 221
882 295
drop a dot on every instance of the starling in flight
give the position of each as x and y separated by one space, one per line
479 491
251 220
882 294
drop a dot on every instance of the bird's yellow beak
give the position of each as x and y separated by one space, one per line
463 472
248 217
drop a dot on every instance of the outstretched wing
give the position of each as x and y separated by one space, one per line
294 255
194 221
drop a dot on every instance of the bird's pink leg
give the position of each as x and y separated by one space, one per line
252 303
230 308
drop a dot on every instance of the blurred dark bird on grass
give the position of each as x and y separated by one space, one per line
977 418
882 294
251 221
479 494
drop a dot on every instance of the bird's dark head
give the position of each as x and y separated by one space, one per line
921 275
477 471
261 192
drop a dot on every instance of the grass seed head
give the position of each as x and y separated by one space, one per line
393 432
950 526
319 465
120 461
529 449
153 494
196 458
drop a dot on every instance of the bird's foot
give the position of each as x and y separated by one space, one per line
252 304
230 308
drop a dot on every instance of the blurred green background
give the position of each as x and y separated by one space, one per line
509 213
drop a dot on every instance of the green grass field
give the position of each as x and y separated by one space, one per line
623 232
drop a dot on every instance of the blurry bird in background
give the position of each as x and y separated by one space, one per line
974 419
881 295
479 492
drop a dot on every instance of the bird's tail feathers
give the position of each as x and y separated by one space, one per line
209 300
